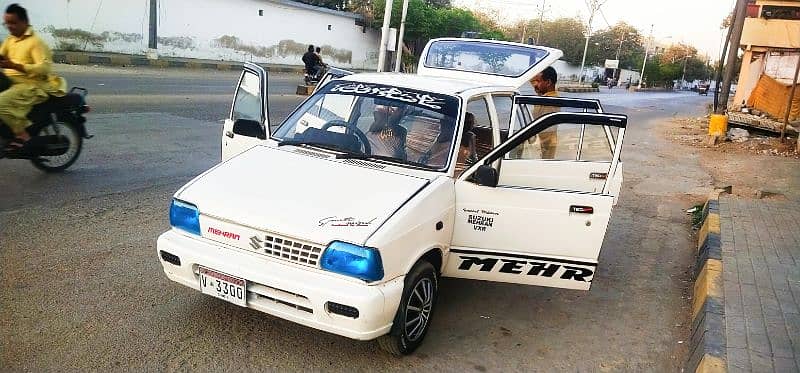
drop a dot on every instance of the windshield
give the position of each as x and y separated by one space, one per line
483 57
374 121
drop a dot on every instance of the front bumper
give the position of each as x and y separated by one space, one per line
287 291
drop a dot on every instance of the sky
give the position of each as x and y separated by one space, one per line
694 22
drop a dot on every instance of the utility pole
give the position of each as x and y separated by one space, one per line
152 40
718 70
733 54
683 77
618 52
541 24
646 51
399 56
594 6
387 17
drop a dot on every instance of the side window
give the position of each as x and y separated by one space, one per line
483 126
247 103
503 106
557 142
560 142
522 165
595 147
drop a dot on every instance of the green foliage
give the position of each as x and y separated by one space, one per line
427 20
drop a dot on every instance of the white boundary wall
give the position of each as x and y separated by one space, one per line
230 30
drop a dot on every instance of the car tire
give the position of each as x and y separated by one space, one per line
413 317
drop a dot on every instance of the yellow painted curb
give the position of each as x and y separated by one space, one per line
221 66
710 225
708 284
194 65
711 364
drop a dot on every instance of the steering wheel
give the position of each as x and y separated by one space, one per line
362 138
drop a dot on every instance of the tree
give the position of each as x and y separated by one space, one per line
622 38
566 34
426 20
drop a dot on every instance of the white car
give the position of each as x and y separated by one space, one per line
344 217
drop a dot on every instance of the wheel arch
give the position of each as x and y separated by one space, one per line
433 255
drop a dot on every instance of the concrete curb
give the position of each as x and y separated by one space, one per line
107 59
578 89
707 345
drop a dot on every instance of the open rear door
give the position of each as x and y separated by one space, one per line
248 122
496 62
593 146
519 222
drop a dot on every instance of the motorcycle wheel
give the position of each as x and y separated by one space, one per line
60 163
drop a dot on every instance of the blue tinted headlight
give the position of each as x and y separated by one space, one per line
353 260
184 216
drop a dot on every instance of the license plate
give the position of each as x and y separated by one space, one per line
223 286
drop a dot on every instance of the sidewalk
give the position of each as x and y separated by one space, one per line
761 281
746 314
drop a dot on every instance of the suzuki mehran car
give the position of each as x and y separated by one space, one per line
345 216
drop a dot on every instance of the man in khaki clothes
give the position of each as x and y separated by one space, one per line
26 61
544 83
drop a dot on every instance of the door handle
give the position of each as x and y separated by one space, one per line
598 175
229 134
581 209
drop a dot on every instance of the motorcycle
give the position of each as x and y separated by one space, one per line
311 79
57 132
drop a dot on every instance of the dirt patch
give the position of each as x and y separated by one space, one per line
694 132
753 166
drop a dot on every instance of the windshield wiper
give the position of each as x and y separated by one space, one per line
323 145
383 158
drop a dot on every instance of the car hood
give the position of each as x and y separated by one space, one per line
290 192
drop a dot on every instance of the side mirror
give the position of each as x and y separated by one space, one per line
249 128
486 175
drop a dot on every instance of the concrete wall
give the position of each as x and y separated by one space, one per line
230 30
571 73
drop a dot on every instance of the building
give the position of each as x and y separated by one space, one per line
264 31
771 44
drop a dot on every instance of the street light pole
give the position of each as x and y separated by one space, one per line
593 6
387 16
683 77
618 52
398 62
646 51
541 24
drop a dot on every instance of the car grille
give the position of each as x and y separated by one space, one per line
288 249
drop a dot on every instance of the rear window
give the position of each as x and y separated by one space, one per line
483 57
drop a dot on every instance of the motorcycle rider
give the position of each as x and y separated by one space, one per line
26 61
312 61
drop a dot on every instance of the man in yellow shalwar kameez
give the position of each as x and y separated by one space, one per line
26 61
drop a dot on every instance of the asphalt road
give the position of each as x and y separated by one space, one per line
81 287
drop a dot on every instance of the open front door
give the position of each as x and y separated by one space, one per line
519 222
332 73
248 122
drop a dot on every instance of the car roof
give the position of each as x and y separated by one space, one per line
432 84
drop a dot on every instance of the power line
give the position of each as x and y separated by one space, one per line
604 18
